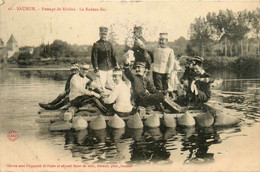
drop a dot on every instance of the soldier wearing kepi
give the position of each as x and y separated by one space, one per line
138 44
103 59
79 82
63 98
163 63
144 91
196 83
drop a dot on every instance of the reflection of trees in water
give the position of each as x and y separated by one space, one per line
198 144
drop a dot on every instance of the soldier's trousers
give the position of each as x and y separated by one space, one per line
150 99
160 81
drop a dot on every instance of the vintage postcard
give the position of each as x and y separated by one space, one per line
129 85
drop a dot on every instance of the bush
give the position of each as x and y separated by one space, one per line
217 62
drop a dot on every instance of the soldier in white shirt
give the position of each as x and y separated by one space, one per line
163 63
120 96
78 84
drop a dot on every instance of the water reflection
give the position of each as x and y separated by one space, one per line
138 146
198 145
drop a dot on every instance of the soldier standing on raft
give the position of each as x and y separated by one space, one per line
163 63
103 59
138 44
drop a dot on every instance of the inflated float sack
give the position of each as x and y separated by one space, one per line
116 122
186 120
98 123
79 123
223 119
153 121
204 120
67 116
135 121
169 120
60 126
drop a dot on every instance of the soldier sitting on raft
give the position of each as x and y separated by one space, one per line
63 98
120 96
144 91
81 89
196 82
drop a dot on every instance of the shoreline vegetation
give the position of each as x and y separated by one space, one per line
245 67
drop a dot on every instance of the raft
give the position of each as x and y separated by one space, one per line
91 117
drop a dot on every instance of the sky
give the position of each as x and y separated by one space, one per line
31 28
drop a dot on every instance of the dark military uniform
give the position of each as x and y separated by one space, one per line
142 55
203 87
144 92
103 56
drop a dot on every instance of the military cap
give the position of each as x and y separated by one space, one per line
143 64
74 66
84 66
198 58
138 29
163 36
103 29
117 71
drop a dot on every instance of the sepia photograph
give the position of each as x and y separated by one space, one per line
129 85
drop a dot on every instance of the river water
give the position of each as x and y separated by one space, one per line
210 149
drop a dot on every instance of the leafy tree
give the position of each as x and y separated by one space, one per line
179 46
190 51
200 33
25 56
254 21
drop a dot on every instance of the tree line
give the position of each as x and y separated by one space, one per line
225 33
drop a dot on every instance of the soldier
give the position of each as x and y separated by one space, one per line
200 86
196 82
163 63
103 59
144 91
63 98
138 44
120 96
78 93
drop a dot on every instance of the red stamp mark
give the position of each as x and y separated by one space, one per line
12 135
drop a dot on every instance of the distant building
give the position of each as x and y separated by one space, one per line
12 46
26 49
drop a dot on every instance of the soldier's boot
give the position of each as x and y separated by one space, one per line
174 105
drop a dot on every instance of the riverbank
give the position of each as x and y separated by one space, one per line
244 67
